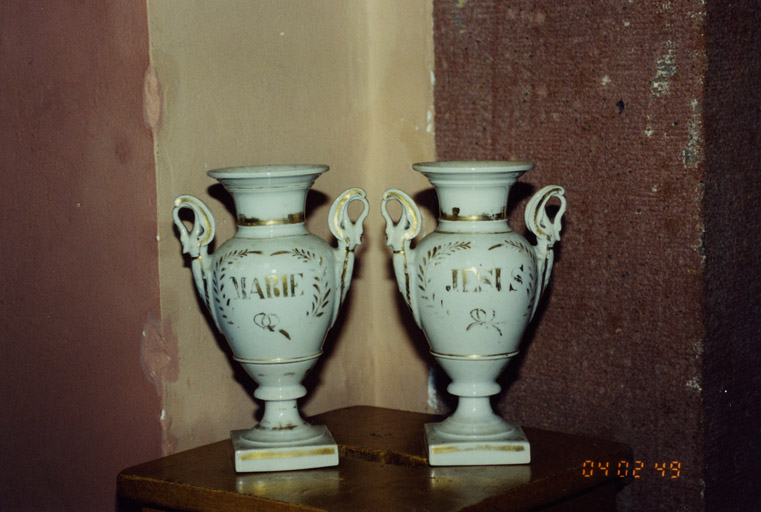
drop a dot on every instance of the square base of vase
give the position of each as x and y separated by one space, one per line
443 450
318 452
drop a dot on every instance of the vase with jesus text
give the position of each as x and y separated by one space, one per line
274 290
473 286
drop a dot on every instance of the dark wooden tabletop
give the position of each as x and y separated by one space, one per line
383 467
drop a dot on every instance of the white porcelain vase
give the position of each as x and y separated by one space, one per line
274 289
473 286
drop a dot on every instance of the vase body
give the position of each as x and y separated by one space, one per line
274 290
473 286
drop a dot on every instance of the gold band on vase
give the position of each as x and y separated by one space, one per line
292 218
278 360
502 215
471 357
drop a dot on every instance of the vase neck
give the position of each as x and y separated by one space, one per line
474 203
269 207
473 194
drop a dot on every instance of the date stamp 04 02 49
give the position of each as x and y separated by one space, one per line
632 469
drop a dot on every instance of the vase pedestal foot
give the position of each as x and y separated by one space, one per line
445 450
317 452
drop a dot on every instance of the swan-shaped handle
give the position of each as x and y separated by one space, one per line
195 241
399 236
547 232
349 236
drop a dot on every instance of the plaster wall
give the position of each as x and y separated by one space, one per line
79 279
346 83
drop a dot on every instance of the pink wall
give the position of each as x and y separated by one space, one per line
79 274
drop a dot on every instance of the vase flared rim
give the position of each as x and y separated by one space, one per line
473 167
268 171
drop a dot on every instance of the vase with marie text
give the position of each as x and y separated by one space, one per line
274 290
473 286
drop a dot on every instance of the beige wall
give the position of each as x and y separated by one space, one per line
347 83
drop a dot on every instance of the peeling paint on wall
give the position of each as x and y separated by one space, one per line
665 68
694 148
159 359
459 21
152 99
700 246
694 384
665 6
649 128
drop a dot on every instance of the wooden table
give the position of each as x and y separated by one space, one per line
383 467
